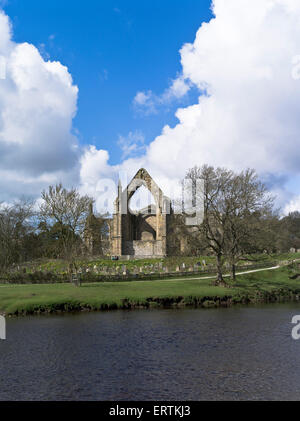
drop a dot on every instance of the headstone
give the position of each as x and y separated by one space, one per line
177 269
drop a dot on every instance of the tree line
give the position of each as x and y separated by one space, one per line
239 221
53 230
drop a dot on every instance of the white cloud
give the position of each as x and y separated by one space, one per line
94 165
292 206
149 103
251 115
133 144
37 104
146 102
178 89
243 58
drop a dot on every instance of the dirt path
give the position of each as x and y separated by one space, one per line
213 277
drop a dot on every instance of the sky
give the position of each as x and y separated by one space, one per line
92 89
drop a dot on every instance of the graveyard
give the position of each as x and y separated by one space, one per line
105 269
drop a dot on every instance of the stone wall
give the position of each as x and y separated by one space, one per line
143 248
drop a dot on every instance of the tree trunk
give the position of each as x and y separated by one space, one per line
219 268
233 272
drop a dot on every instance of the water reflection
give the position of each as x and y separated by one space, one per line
190 354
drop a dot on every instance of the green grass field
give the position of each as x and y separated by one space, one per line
27 299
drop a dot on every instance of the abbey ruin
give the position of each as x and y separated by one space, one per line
149 232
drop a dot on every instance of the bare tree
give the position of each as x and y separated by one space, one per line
216 183
247 204
235 206
69 211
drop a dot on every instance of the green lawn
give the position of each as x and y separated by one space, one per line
66 297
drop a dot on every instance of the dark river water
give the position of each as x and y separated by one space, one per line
192 354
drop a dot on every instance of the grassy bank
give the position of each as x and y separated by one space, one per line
265 286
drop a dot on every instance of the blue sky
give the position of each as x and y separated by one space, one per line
197 82
113 49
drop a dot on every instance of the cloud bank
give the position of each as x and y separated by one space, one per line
245 60
244 64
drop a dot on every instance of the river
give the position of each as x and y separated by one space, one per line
237 353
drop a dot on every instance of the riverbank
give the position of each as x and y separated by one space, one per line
259 287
